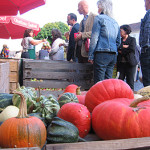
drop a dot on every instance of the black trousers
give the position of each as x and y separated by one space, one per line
127 71
81 59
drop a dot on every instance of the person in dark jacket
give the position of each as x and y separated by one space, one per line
72 20
128 45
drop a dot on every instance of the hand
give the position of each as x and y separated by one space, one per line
79 36
44 40
119 52
90 61
125 46
61 44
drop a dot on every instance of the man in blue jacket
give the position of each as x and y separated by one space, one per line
144 42
72 21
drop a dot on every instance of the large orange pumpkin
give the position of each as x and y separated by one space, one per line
78 115
106 90
122 118
22 131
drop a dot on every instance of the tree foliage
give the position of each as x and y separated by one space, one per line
46 30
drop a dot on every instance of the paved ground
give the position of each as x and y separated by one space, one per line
137 85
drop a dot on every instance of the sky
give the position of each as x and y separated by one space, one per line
124 12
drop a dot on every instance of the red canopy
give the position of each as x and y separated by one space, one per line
11 7
14 27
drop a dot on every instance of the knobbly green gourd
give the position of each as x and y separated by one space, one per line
61 131
48 106
30 95
67 98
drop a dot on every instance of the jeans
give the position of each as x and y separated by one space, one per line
145 66
103 65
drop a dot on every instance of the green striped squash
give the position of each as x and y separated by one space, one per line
30 95
5 100
67 98
48 106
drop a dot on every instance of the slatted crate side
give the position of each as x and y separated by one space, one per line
123 144
56 84
55 65
57 74
4 77
38 74
14 65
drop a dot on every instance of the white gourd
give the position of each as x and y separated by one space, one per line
9 112
136 96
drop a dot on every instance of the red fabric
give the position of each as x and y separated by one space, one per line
87 45
11 7
14 27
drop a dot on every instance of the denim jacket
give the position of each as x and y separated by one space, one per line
144 39
105 35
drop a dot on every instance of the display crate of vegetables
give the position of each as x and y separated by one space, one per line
107 116
56 74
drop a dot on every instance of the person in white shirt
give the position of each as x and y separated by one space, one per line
57 50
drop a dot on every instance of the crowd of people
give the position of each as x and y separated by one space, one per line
110 44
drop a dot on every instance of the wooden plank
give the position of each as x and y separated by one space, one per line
31 148
13 86
13 77
57 84
56 65
134 143
31 74
4 77
14 63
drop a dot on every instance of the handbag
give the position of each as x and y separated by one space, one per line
87 44
131 58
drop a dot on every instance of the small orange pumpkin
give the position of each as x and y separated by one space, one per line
71 88
22 131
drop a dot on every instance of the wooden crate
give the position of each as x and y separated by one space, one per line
57 74
4 77
123 144
14 65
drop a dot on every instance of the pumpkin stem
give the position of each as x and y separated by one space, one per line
23 106
78 90
139 100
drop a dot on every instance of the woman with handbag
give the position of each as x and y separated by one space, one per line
28 44
126 62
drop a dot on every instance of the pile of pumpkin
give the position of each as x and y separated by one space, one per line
108 107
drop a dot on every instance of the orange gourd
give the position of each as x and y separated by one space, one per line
122 118
78 115
106 90
71 88
22 131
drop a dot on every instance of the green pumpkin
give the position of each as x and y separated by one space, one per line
67 98
30 95
48 106
61 131
5 100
